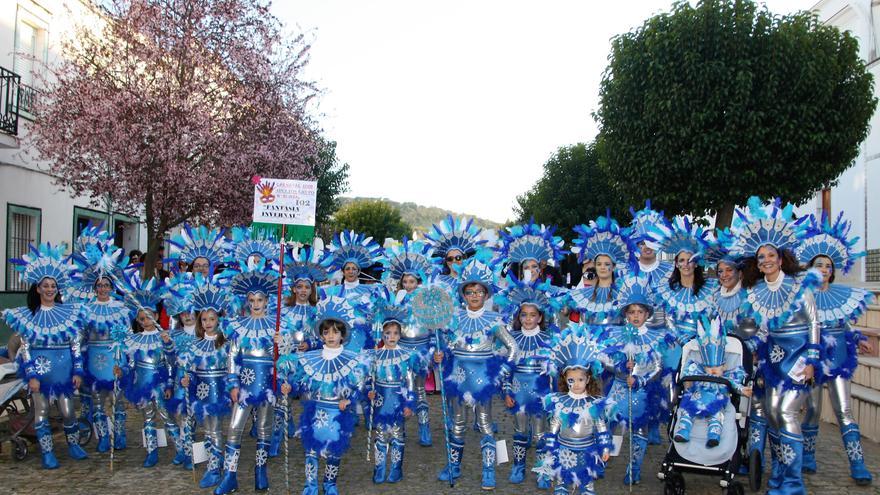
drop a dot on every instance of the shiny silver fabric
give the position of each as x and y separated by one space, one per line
235 351
580 430
482 411
100 398
522 421
414 332
841 403
240 415
41 409
151 410
213 429
657 319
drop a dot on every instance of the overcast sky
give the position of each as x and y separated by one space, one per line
457 104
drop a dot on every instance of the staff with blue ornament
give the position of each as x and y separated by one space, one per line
49 358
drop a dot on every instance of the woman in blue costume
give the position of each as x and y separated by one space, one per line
527 311
828 248
473 372
177 302
350 253
657 272
329 381
204 366
455 240
99 263
525 306
149 359
779 298
249 372
408 266
49 357
685 297
391 388
579 437
202 250
635 364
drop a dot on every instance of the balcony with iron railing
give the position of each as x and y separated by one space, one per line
16 100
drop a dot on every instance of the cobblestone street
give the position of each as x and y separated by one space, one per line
93 476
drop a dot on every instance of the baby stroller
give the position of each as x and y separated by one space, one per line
16 410
694 457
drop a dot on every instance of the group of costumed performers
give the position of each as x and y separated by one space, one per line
257 326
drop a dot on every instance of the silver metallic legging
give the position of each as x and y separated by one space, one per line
783 409
240 414
521 422
41 408
100 398
212 427
482 411
841 403
151 409
419 389
395 432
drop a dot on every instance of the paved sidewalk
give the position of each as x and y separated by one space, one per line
421 465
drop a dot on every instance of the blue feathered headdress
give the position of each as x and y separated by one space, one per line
530 241
414 258
605 236
634 289
92 235
199 242
760 225
178 294
334 308
831 240
245 246
140 294
207 296
304 264
455 233
680 235
389 307
517 293
257 280
644 219
579 346
45 261
350 247
97 258
719 249
477 270
712 339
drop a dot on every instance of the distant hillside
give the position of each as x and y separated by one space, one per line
422 217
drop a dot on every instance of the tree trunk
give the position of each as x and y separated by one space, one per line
724 216
152 233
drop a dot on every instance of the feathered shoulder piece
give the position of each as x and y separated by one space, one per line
57 325
772 308
840 304
529 241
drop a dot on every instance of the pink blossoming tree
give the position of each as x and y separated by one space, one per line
172 106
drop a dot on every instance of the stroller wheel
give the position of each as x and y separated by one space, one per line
674 484
735 488
755 471
20 448
85 432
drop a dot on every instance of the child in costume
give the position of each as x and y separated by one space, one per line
329 381
49 357
473 371
391 386
578 441
707 400
204 366
178 305
150 357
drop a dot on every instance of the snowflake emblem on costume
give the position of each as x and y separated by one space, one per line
248 376
515 386
756 436
311 472
231 461
101 361
519 452
423 416
187 446
854 451
213 463
786 454
380 455
330 472
489 457
454 457
152 443
101 427
777 354
262 457
322 419
567 458
42 365
458 376
202 391
396 456
46 443
378 401
72 438
809 443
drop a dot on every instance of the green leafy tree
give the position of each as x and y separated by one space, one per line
572 191
704 106
332 177
373 217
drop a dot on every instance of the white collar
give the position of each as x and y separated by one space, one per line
778 283
190 330
643 330
328 353
150 332
210 337
476 314
578 396
108 301
650 268
727 293
532 332
302 304
351 285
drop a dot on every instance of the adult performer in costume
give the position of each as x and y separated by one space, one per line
828 248
455 240
49 357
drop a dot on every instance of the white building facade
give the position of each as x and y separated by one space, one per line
33 207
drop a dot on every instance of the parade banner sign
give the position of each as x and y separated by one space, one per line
286 202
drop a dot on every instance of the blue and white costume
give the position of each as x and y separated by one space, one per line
178 302
323 378
450 235
579 433
50 348
474 373
836 307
